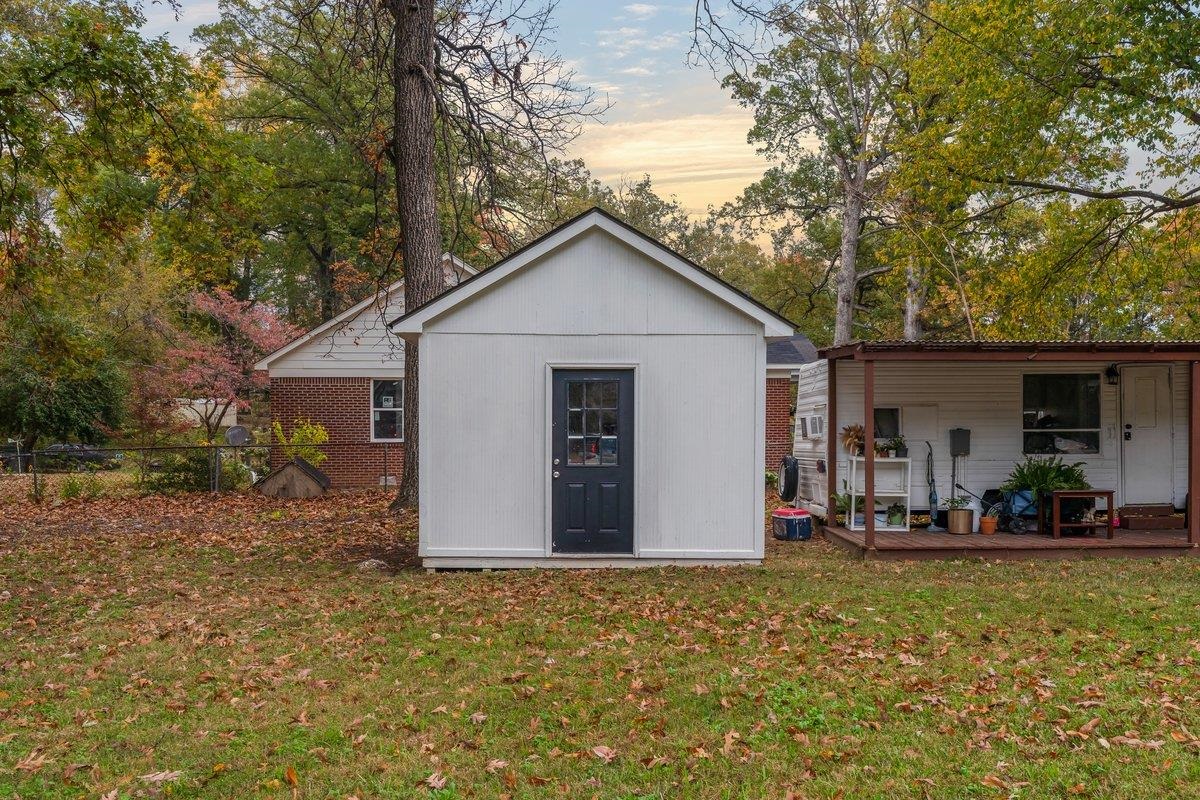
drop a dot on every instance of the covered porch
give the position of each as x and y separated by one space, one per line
957 363
919 545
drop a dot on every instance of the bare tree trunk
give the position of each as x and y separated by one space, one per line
416 199
323 277
914 301
847 277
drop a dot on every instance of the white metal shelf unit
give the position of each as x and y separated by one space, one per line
893 485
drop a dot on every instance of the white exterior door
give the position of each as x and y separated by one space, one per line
1146 441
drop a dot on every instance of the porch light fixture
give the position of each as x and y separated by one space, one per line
1112 375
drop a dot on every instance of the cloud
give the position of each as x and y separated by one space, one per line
641 10
704 159
624 41
637 72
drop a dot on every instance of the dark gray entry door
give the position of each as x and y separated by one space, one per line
592 429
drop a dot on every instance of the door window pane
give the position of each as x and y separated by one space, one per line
574 394
592 425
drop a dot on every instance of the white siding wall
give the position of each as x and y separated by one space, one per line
360 346
983 397
594 284
699 407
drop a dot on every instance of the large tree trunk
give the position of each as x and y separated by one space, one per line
323 277
416 199
847 277
914 301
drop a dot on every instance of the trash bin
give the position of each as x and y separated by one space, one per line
791 524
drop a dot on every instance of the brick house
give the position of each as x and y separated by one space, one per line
784 357
348 375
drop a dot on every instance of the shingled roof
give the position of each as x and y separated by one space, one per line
790 351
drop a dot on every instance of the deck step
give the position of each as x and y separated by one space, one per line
1173 522
1148 510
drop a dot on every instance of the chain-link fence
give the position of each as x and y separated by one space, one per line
169 469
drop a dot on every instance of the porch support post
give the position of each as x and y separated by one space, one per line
831 445
869 451
1193 466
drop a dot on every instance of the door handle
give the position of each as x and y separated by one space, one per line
554 474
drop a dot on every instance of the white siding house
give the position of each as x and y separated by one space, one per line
1137 445
593 400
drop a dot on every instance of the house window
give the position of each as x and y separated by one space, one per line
387 410
887 423
1061 413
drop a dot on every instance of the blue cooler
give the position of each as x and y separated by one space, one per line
791 524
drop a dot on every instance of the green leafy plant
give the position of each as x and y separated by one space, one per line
192 472
895 443
771 478
1041 475
955 502
86 485
841 502
304 441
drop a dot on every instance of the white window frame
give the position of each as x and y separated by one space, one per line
1099 431
400 408
816 422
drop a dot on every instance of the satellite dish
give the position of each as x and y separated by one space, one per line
237 435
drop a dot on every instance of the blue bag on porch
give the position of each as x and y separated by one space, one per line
1020 503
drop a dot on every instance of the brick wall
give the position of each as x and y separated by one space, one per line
780 398
343 406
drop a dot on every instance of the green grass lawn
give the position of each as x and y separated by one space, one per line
230 648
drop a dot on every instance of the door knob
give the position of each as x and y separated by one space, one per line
556 462
555 473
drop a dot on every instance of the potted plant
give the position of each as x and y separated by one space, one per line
841 506
959 518
1033 478
987 524
853 439
898 446
881 450
897 515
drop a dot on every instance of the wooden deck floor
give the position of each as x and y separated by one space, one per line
920 545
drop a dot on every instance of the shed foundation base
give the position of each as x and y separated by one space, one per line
575 562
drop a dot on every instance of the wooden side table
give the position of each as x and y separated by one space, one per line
1056 522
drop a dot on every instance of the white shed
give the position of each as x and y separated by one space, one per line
595 399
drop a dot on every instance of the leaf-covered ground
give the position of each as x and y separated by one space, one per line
230 647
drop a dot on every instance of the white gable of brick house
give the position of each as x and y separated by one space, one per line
357 342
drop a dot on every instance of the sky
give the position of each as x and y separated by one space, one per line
666 119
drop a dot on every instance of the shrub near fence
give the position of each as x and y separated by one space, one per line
171 469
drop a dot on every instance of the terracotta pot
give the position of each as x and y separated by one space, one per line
960 520
987 525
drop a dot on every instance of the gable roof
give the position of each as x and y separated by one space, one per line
395 289
789 352
319 477
412 321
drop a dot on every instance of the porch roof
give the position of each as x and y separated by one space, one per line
1015 350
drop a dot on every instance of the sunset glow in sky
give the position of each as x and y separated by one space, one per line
666 118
